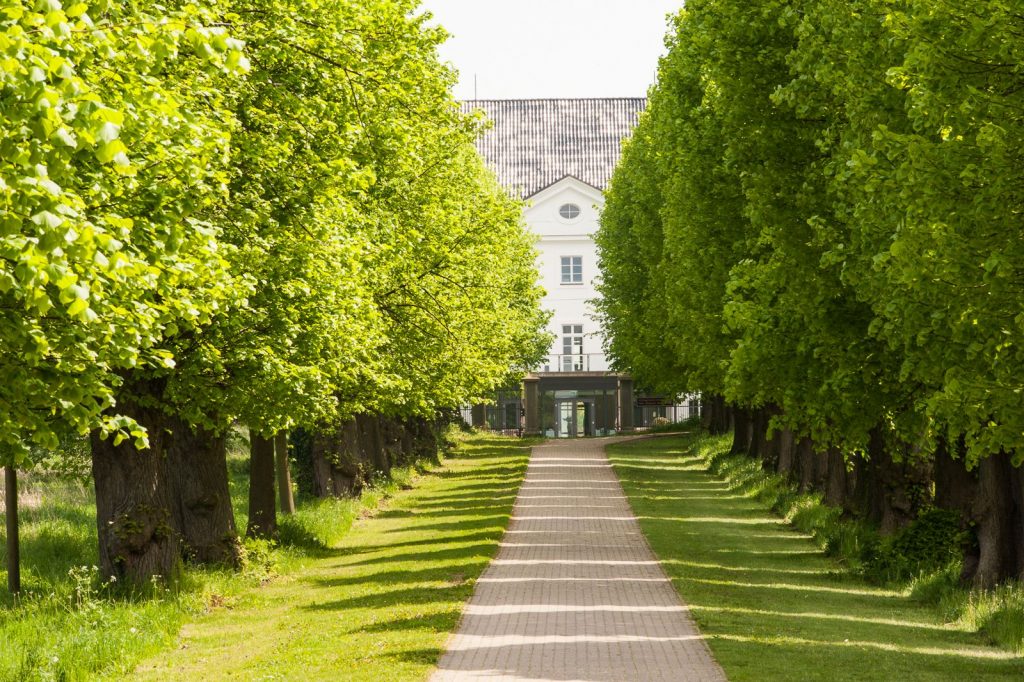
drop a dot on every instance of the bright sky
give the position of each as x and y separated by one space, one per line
553 48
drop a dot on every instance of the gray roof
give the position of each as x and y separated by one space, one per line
534 143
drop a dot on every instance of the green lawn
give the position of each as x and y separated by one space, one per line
380 605
771 604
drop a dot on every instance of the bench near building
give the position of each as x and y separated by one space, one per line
558 155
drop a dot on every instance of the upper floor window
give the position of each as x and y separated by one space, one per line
569 211
572 269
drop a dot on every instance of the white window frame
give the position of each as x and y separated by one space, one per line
571 270
570 206
572 347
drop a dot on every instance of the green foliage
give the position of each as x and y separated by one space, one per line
111 149
263 212
931 542
71 459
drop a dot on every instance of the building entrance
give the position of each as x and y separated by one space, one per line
574 417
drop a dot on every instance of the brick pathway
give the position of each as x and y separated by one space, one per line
575 592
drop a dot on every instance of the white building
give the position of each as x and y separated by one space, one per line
558 155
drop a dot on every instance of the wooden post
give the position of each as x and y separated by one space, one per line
13 553
284 477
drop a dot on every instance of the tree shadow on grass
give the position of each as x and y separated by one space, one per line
463 551
455 531
771 604
433 541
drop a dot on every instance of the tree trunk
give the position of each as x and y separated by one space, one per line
785 447
740 431
338 461
1017 488
998 522
13 545
807 460
284 477
836 488
955 486
761 446
889 493
262 507
705 413
715 415
372 447
956 489
201 498
133 503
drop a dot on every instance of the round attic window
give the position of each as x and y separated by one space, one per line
569 211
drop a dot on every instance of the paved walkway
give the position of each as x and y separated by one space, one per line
575 592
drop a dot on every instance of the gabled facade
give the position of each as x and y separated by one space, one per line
564 216
558 155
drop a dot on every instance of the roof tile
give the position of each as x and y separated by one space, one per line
536 142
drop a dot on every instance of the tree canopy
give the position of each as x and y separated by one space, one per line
818 215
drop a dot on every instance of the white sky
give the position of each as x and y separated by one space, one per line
553 48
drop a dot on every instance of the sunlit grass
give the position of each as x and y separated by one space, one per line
772 604
380 604
67 626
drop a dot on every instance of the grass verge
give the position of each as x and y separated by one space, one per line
771 604
378 606
68 626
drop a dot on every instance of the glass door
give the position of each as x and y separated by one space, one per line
565 419
575 417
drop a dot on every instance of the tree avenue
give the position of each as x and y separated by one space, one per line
816 220
267 214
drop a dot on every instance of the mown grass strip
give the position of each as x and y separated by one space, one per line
380 605
771 604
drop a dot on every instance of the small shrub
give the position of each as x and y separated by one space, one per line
932 541
258 559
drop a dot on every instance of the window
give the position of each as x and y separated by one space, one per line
572 347
572 269
569 211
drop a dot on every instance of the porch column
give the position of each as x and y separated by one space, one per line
531 405
625 404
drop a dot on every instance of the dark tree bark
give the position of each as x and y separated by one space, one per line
705 413
998 518
284 477
201 499
836 483
784 449
807 461
955 486
372 445
715 415
761 446
889 493
338 461
13 544
133 501
740 430
262 506
323 484
408 440
1017 488
426 440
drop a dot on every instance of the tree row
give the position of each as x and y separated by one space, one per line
267 214
817 224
